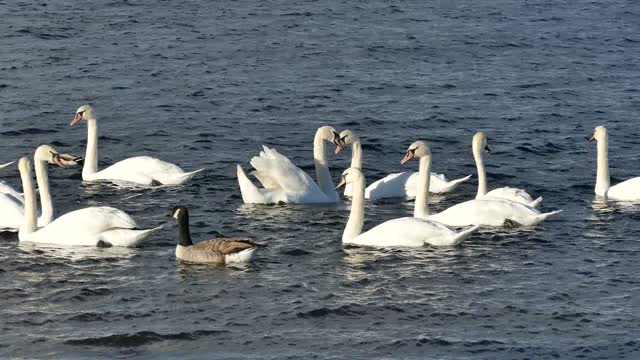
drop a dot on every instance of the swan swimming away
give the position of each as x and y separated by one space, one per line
402 184
283 182
484 212
12 202
406 231
628 190
216 251
479 144
93 226
143 170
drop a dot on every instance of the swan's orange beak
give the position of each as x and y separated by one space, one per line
76 119
338 149
341 183
592 138
58 160
408 156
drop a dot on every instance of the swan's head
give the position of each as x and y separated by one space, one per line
24 165
179 212
480 142
599 134
328 133
50 155
349 176
85 112
346 137
416 150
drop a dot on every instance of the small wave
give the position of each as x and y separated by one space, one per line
344 310
27 131
141 338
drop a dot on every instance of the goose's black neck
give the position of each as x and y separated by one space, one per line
183 232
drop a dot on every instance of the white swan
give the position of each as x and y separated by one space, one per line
143 170
479 144
402 184
94 226
486 212
628 190
12 202
406 231
284 182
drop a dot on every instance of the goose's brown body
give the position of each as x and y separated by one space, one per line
216 251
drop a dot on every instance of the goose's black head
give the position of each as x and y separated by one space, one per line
180 213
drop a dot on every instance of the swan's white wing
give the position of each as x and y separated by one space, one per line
7 189
627 190
490 212
509 193
90 221
407 231
11 213
86 227
276 171
144 170
393 185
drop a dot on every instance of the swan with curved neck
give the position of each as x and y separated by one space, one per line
92 226
12 202
142 170
406 231
404 185
283 182
628 190
479 144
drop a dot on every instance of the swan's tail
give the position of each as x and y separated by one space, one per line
462 235
454 183
128 237
249 191
535 203
183 178
542 217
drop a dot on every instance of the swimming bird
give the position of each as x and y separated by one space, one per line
283 182
216 251
142 170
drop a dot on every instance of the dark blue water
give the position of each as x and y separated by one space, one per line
204 83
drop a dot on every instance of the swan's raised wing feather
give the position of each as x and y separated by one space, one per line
276 171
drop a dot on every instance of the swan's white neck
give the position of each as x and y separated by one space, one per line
46 204
482 176
356 155
91 156
322 169
602 177
356 217
30 222
421 207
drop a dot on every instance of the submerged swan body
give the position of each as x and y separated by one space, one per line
283 182
628 190
92 226
143 170
400 185
216 251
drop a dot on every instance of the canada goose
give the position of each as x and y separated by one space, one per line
217 251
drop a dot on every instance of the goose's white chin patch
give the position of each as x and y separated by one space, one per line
176 213
240 257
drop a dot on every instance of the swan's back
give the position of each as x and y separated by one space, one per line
509 193
141 169
628 190
406 231
488 212
84 226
